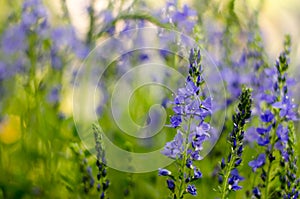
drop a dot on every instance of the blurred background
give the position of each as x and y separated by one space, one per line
41 154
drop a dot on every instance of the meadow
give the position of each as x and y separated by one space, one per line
139 99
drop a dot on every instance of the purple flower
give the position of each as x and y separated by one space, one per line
191 189
223 163
185 20
282 133
259 162
191 87
171 184
14 40
175 121
189 163
263 141
65 37
191 108
268 98
267 116
143 57
174 149
256 192
196 155
234 180
251 135
263 131
164 172
287 108
238 162
56 61
197 173
199 136
34 17
53 96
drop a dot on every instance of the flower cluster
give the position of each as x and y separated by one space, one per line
229 176
276 133
185 18
190 110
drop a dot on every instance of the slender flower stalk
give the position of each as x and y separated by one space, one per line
229 176
103 182
190 110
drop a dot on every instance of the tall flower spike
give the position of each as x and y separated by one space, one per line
276 134
229 173
190 107
290 183
103 182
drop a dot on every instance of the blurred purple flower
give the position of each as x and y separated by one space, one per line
56 61
65 38
14 40
3 71
54 94
251 135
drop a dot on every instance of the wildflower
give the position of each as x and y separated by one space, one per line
64 38
186 18
267 116
274 133
164 172
53 96
229 174
171 184
197 173
256 192
190 109
191 189
282 133
234 180
176 121
174 148
14 40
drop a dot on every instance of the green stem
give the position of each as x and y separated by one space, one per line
184 159
66 14
267 181
226 176
273 139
